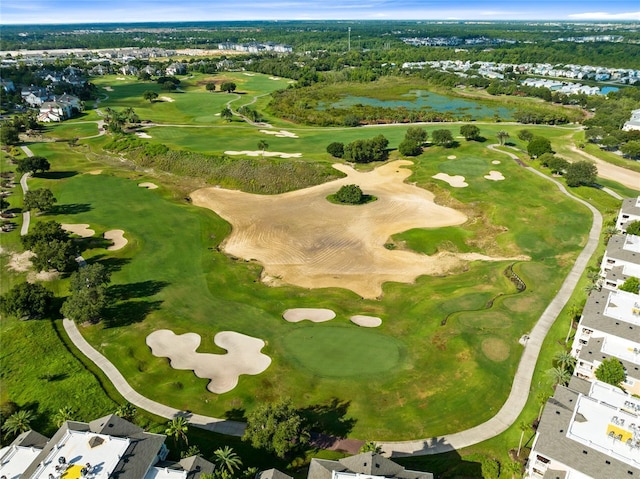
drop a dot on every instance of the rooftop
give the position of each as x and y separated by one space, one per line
15 459
624 306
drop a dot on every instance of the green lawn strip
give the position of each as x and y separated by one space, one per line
70 130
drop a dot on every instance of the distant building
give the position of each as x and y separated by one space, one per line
367 465
634 121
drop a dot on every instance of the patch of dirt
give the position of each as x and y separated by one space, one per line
495 349
21 262
34 277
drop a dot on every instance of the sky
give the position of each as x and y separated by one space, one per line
122 11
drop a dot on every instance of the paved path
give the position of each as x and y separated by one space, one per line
519 394
26 215
505 417
222 426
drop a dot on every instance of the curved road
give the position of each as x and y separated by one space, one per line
505 417
26 215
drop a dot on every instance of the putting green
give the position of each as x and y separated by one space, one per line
336 351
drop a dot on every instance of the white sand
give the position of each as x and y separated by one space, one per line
243 356
148 185
80 229
456 181
279 134
274 78
108 88
266 153
366 321
167 99
315 315
120 78
21 262
494 176
94 172
142 134
34 277
451 157
495 162
117 236
249 74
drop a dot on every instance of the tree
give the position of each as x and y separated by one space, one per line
524 427
210 87
633 228
502 136
9 135
349 194
557 165
371 446
127 411
41 199
228 87
417 134
631 149
336 149
55 254
366 151
226 459
63 414
631 285
470 132
611 371
538 146
33 164
276 427
263 145
226 113
581 173
560 376
409 148
88 294
150 95
26 300
442 138
525 135
192 450
565 360
44 232
17 423
177 428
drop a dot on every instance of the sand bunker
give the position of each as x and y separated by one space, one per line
120 78
167 99
81 230
34 277
142 134
94 172
274 78
315 315
494 176
148 185
108 88
117 236
456 181
264 153
243 356
366 321
21 262
495 162
280 134
451 157
249 74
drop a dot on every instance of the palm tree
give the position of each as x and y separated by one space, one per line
524 427
127 411
542 399
177 429
574 313
18 422
263 145
64 414
502 136
227 459
514 468
560 376
565 360
371 446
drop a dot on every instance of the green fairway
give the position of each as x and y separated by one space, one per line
334 351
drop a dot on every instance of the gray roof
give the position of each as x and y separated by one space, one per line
31 439
616 274
195 466
615 249
629 207
553 474
113 425
272 474
369 463
552 441
580 385
592 351
593 317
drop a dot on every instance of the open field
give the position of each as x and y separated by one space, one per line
448 339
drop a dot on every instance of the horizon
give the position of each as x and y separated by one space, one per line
78 12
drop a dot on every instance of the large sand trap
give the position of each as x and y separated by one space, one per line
168 99
94 172
81 230
315 315
108 88
21 262
280 134
300 238
117 236
366 321
457 181
494 176
148 185
264 153
142 134
243 356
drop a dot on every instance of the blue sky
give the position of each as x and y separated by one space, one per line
92 11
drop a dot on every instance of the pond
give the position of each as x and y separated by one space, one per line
425 100
607 89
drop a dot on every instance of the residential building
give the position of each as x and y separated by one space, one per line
367 465
622 250
634 121
176 69
630 210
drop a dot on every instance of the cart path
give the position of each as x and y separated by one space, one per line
26 215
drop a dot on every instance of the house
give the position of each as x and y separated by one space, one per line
587 430
34 96
54 111
630 210
368 465
176 69
622 250
129 70
106 447
634 121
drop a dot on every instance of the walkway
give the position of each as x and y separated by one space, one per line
505 417
519 394
26 215
222 426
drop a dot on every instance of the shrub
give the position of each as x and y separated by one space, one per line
349 194
409 148
336 149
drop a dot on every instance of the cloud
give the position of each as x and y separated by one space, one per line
605 16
